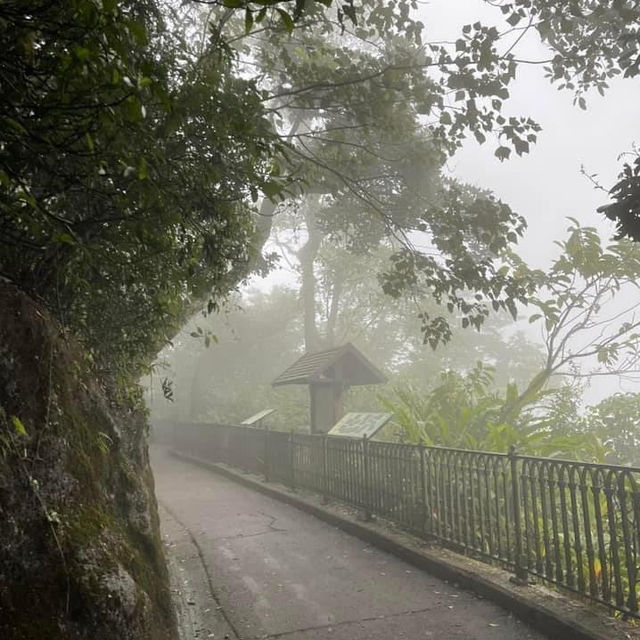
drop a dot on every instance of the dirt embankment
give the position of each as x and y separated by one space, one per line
80 551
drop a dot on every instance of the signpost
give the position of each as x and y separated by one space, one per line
255 420
358 425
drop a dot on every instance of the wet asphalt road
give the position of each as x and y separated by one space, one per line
276 572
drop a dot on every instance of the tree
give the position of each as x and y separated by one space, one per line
591 43
466 410
368 127
616 421
111 171
125 168
576 311
589 328
350 305
625 208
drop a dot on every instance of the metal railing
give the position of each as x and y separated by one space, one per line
573 524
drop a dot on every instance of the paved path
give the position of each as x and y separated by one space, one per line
271 571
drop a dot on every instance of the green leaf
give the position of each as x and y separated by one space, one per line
513 19
14 124
248 20
82 53
502 153
143 173
18 426
272 189
287 20
138 31
350 12
64 238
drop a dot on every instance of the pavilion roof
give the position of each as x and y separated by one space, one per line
344 364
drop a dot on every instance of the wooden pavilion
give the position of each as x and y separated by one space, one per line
328 374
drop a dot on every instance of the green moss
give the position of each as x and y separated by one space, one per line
86 524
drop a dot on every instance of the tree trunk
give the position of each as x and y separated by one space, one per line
334 308
307 255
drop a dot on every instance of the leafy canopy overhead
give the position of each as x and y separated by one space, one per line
591 42
135 156
125 167
369 120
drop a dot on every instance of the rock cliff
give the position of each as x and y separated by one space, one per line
80 551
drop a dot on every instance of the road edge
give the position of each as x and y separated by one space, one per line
199 612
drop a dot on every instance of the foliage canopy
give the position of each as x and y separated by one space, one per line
137 151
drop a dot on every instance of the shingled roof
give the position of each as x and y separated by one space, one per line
343 364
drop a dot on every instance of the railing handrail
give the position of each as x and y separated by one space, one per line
584 463
439 447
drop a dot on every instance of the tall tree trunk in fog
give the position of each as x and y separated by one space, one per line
307 256
263 224
334 308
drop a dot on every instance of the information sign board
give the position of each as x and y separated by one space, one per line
357 425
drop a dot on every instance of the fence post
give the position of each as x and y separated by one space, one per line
325 477
292 459
423 489
521 571
266 453
367 479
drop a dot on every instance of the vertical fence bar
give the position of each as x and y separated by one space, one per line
520 564
566 535
325 478
367 478
630 563
266 453
575 518
292 461
423 490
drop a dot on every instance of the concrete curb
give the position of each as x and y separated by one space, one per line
551 613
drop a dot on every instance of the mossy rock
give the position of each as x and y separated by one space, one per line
80 549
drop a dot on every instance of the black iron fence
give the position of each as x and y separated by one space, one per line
574 524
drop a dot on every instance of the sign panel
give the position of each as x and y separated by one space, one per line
255 419
358 425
